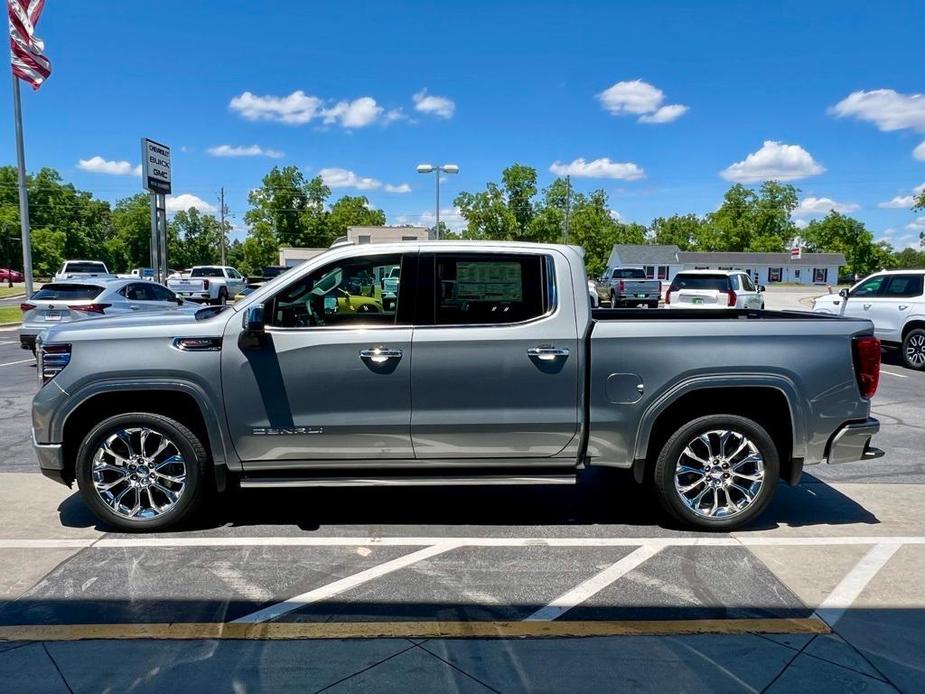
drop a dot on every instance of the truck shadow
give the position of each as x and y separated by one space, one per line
605 497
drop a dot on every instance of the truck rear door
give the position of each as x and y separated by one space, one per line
495 372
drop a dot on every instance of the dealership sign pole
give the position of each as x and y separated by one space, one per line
155 176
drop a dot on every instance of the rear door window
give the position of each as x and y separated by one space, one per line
904 286
747 283
480 289
68 292
701 282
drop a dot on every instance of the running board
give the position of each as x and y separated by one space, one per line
402 481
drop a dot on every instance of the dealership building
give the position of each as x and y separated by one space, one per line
291 256
664 262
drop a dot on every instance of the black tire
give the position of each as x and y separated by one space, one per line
652 304
188 445
913 349
222 297
663 477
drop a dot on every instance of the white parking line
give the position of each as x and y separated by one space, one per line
331 589
21 361
593 585
852 585
890 373
660 542
9 342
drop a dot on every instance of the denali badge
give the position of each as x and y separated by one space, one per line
285 431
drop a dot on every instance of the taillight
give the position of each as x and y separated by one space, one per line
91 308
866 351
51 360
205 284
26 307
668 297
732 298
622 285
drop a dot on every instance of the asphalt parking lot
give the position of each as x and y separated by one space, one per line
471 589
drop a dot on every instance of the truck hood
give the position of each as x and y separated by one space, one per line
134 326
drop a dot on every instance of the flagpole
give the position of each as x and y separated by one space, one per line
23 194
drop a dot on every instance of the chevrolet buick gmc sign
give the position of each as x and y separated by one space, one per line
155 166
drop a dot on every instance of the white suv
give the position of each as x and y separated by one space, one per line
714 289
894 301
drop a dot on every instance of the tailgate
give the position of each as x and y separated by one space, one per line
700 297
185 285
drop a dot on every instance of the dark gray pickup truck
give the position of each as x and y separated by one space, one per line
488 368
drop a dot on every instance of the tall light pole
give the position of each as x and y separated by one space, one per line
430 168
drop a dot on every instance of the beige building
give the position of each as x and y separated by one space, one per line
290 257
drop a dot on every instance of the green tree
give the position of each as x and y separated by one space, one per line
348 211
197 238
684 231
838 233
919 204
752 221
592 226
287 206
129 244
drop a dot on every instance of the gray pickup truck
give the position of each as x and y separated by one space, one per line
490 368
629 286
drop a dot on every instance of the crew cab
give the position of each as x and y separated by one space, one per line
213 284
83 269
491 368
895 302
629 286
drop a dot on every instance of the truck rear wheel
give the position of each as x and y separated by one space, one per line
717 472
222 297
141 472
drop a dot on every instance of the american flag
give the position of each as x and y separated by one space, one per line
26 49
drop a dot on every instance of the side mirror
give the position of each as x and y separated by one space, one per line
762 288
843 293
253 319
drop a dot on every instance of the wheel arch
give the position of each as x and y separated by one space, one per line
915 323
183 402
769 402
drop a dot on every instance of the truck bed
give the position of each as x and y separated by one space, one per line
609 314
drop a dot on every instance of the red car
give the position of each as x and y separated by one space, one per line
6 272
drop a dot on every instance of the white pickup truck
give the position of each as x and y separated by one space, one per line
214 284
83 269
895 302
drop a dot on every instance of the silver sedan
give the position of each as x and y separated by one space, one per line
72 300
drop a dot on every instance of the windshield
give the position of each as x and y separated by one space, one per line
702 282
84 268
207 272
68 292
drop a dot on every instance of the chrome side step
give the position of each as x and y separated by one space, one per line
402 481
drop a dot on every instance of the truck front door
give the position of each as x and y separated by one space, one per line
496 357
332 379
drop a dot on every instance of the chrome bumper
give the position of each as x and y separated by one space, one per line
852 442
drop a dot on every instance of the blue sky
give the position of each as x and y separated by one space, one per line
660 104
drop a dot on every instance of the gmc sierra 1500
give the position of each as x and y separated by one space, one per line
489 368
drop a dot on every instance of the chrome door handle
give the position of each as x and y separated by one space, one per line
135 308
380 355
867 307
547 352
903 307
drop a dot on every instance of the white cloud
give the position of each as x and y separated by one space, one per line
811 207
296 109
919 152
114 168
774 161
399 188
917 226
598 168
904 201
800 223
449 216
244 151
435 105
184 201
640 98
616 216
344 178
353 114
886 108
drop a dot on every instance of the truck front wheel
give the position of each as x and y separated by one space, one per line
717 472
141 472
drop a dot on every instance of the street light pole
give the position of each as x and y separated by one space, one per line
437 170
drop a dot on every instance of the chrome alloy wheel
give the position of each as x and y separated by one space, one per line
139 473
719 474
915 350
